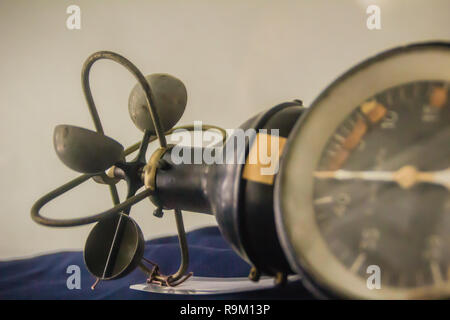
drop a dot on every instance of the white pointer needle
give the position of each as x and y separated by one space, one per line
406 176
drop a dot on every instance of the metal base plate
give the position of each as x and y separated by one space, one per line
211 286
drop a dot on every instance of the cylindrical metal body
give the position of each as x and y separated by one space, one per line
243 206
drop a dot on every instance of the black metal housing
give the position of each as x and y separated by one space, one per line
244 209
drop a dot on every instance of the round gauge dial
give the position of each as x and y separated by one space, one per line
363 196
381 195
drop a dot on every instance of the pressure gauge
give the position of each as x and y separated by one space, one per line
363 196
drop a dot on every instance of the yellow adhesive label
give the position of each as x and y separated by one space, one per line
262 163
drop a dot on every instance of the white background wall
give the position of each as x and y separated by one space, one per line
236 58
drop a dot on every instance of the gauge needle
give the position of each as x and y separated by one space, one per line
406 176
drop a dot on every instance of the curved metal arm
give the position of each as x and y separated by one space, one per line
35 215
183 247
180 275
139 77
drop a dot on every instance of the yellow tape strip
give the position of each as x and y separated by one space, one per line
261 165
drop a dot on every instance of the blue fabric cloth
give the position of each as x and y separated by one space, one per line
45 277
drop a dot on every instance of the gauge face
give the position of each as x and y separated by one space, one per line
382 186
363 193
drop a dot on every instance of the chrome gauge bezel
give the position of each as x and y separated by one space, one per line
299 234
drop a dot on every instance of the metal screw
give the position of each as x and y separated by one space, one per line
254 274
280 279
158 213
